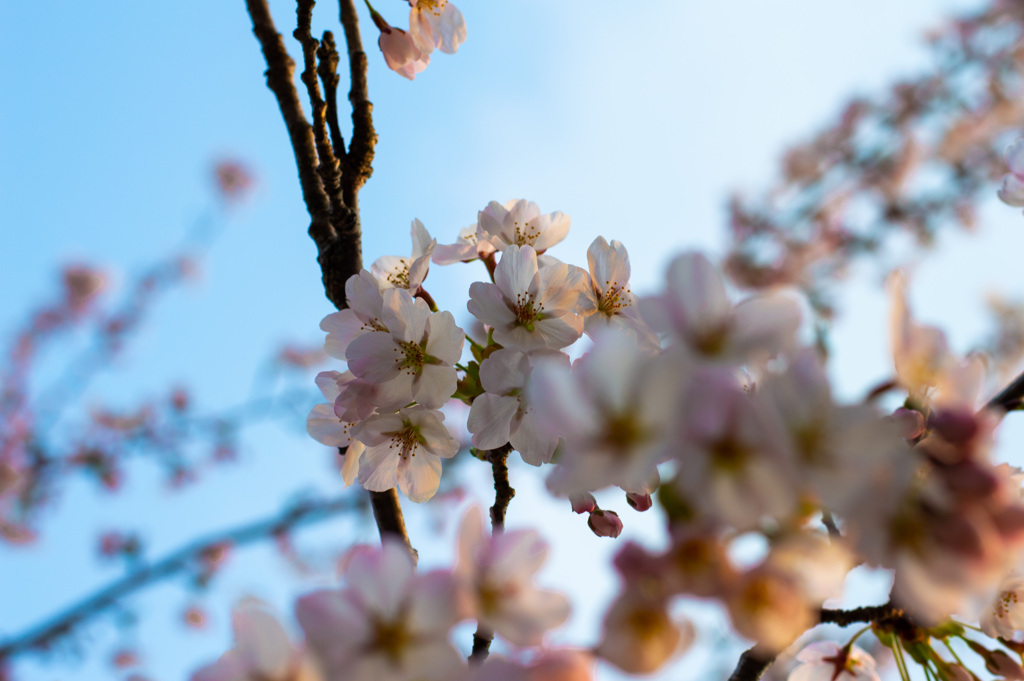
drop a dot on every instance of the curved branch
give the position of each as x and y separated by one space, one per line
45 633
358 162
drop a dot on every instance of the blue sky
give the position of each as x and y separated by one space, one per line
636 119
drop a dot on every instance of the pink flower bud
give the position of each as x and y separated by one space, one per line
583 503
605 523
640 502
910 421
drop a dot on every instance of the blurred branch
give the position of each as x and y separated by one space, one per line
63 623
1009 398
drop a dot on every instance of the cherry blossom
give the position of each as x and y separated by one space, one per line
417 353
262 652
1005 614
559 664
363 314
468 247
402 52
1012 190
639 634
827 661
394 271
387 623
497 572
501 414
614 411
766 605
695 308
404 449
528 308
608 301
520 223
436 23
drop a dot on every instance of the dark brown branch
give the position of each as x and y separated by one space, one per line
387 511
280 70
328 168
752 665
1011 397
503 494
868 613
44 634
358 162
327 55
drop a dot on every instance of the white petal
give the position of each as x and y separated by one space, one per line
419 476
489 419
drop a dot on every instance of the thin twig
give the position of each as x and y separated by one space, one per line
280 71
752 666
1009 398
328 168
44 634
327 55
358 162
503 494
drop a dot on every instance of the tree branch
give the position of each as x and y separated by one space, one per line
1009 398
280 70
327 54
503 494
358 162
330 174
387 511
45 633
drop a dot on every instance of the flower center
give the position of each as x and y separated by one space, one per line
435 7
406 440
399 276
615 297
390 638
622 432
524 234
527 313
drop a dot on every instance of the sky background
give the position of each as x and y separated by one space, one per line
636 119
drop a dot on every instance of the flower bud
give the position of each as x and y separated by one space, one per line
640 502
583 503
605 523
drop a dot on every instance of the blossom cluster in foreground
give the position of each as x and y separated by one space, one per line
715 405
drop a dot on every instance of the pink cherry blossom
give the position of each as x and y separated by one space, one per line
417 353
387 623
394 271
401 51
436 23
497 572
262 652
608 301
520 223
696 309
1004 616
529 308
404 449
502 413
639 634
1012 190
827 661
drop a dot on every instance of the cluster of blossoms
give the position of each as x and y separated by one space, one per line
712 404
433 24
389 623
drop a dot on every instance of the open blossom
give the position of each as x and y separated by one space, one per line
388 624
436 23
1012 190
394 271
528 307
469 246
1005 614
608 301
497 572
404 449
262 651
614 410
363 314
502 413
520 223
696 309
417 353
401 51
640 635
827 661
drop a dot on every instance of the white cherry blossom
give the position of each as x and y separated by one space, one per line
608 301
1004 616
527 307
394 271
404 449
387 624
497 572
262 652
417 353
827 661
436 24
469 246
696 310
520 223
502 414
401 50
363 314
